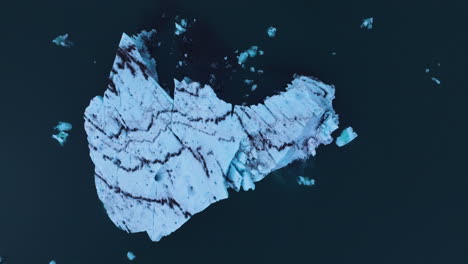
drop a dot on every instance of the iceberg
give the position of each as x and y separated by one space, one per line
130 256
271 32
52 262
62 135
367 23
346 136
305 181
63 41
161 159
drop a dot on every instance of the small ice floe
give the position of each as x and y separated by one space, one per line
252 69
52 262
271 31
247 81
243 56
180 26
63 41
260 71
130 255
305 181
437 81
367 23
62 135
1 260
347 135
261 52
254 87
427 70
333 53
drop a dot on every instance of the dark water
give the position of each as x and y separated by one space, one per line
398 194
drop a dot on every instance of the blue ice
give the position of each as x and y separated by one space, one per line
305 181
63 41
62 135
347 135
180 27
271 31
435 80
130 255
243 56
367 23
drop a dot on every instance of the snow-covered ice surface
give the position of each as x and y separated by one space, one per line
160 160
346 136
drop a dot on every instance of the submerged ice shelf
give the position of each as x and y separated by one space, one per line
160 160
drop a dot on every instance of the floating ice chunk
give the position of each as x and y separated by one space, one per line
62 136
254 87
63 41
305 181
437 81
63 126
271 31
196 144
260 71
243 56
367 23
180 26
427 70
253 51
247 81
347 135
52 262
261 52
130 255
252 69
333 53
1 259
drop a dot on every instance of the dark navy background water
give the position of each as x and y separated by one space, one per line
398 194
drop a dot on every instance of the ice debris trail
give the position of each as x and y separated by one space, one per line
62 134
63 41
346 136
160 159
367 23
305 181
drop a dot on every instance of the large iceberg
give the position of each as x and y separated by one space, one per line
160 160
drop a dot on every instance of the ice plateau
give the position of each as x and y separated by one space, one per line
160 159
